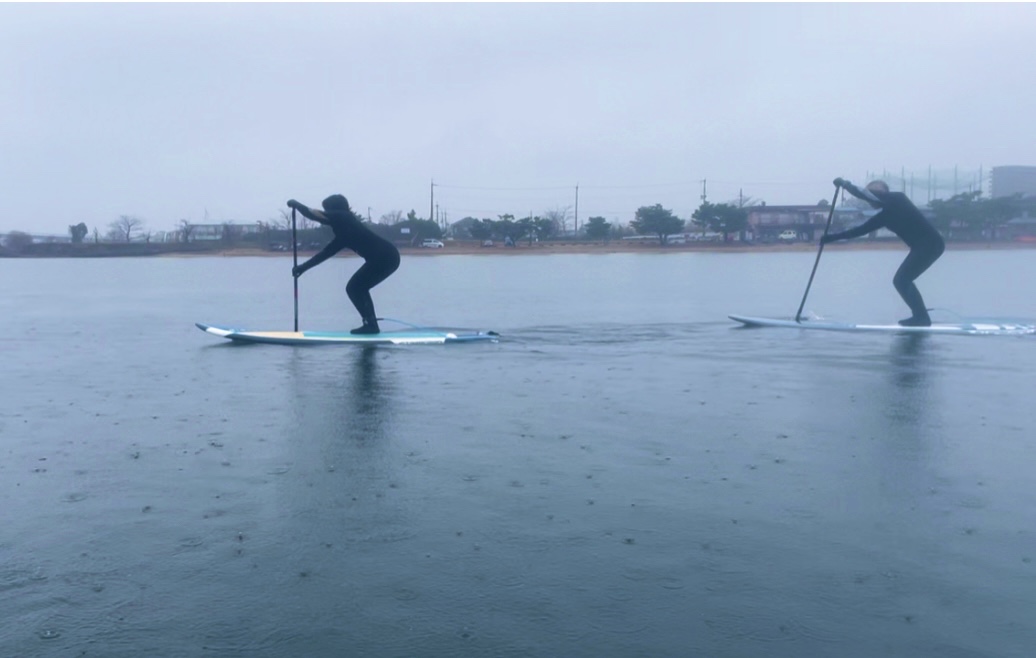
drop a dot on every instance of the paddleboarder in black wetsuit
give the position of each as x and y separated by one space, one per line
381 258
901 216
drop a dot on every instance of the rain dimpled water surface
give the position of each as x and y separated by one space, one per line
624 473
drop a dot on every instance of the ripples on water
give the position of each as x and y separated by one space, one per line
625 473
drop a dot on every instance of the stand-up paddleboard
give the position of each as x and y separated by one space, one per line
408 335
965 327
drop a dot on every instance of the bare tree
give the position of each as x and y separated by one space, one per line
185 230
559 217
391 217
124 228
283 220
745 201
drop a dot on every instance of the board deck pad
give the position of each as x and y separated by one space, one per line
967 327
408 335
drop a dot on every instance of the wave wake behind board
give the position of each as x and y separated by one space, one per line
966 327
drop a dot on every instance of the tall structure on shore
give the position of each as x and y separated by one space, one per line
1011 180
925 186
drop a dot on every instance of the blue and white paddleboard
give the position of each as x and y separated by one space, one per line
410 335
976 327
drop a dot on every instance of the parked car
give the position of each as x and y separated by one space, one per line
432 244
487 243
788 236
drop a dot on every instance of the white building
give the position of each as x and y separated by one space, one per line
1011 180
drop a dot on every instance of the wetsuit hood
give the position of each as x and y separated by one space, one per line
336 202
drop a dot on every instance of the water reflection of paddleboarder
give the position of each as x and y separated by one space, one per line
901 216
381 258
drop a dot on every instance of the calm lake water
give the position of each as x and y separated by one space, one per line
625 473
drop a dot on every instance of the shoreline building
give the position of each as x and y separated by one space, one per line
1012 180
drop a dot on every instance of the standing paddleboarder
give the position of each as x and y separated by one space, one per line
381 258
899 215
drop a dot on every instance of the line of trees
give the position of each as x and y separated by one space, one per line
725 218
722 218
969 214
962 216
396 226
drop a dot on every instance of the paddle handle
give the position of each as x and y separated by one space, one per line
830 216
294 264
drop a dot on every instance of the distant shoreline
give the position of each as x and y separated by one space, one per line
621 248
473 248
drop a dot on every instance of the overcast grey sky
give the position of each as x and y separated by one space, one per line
225 111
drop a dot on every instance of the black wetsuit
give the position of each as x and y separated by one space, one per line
899 215
381 258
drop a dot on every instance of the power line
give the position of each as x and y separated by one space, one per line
569 187
636 187
498 189
770 183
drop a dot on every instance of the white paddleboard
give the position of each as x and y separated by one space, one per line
410 335
965 327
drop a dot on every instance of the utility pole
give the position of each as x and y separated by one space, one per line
431 202
368 214
577 209
703 190
740 198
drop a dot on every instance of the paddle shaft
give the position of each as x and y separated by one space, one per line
830 216
295 263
